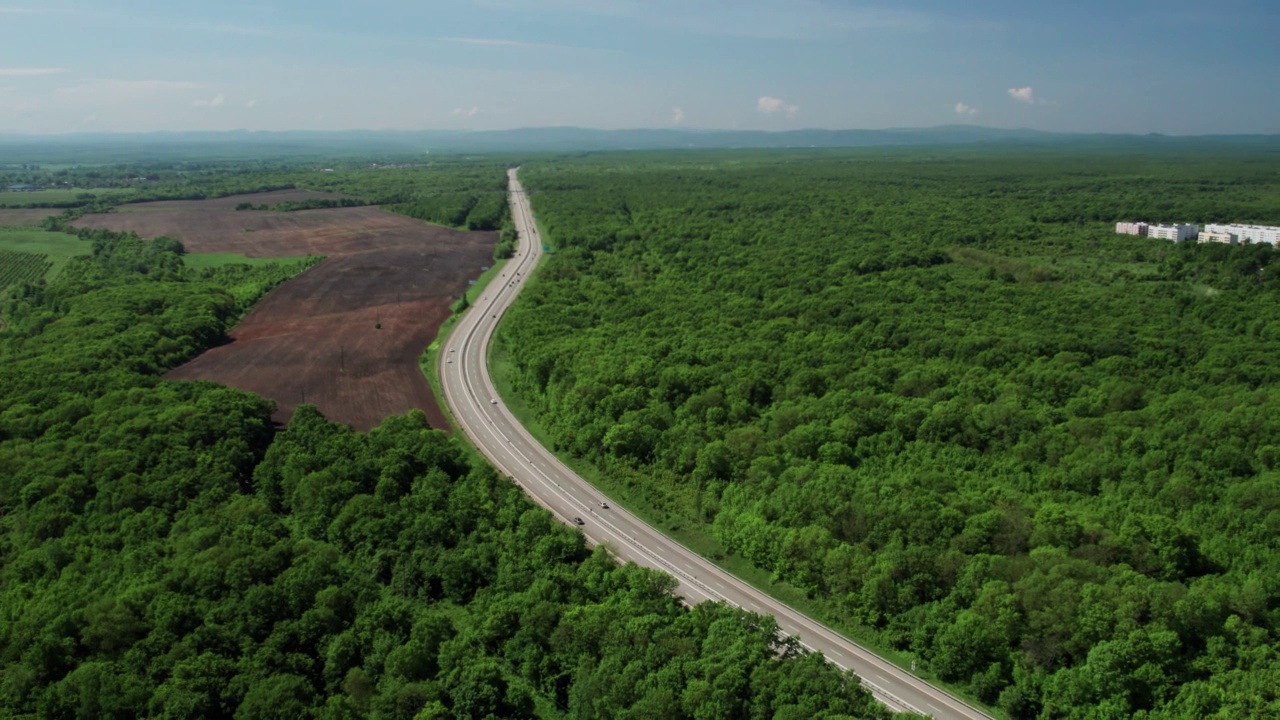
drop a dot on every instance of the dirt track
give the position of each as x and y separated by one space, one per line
315 338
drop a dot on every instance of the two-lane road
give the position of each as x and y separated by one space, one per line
485 419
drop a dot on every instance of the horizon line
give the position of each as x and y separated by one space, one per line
7 134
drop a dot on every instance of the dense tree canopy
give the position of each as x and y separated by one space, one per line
940 395
165 552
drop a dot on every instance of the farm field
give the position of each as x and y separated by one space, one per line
316 339
24 217
53 247
216 226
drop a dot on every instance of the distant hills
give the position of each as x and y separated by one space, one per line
239 144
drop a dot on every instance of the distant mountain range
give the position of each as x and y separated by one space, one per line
86 147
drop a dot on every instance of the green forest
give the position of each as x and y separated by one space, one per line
935 391
165 552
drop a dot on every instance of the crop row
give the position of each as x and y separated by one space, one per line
16 267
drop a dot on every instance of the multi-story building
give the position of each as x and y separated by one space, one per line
1207 236
1130 228
1249 233
1176 233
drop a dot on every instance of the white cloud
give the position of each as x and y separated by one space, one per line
217 101
1023 94
466 112
251 104
770 105
966 110
677 116
30 72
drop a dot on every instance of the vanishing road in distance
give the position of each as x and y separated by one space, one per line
486 421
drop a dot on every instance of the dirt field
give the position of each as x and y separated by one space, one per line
315 338
10 217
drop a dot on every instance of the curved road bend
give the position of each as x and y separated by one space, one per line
485 419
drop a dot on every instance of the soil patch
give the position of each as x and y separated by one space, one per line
316 339
10 217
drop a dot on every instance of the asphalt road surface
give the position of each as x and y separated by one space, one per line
485 419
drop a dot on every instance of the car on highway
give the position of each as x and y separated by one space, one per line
578 521
604 505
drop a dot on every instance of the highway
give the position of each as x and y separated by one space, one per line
483 417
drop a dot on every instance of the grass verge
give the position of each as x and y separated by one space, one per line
427 362
202 261
57 247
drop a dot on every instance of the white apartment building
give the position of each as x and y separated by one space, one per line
1248 233
1130 228
1207 236
1176 233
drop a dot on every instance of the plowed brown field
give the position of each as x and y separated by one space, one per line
315 338
17 217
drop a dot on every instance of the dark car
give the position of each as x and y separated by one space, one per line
578 521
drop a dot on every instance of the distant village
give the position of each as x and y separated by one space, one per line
1231 234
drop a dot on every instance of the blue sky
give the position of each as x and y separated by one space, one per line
1133 66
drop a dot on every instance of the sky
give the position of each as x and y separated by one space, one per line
1122 66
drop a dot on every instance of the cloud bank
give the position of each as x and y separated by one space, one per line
1023 94
771 105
